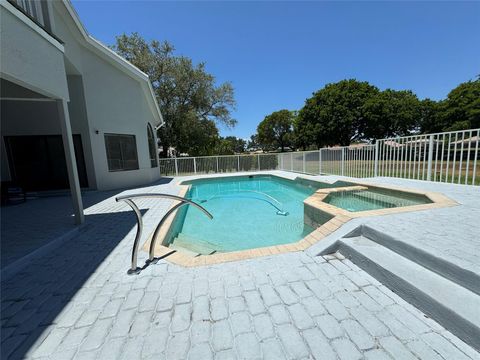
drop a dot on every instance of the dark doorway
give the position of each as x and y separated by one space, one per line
38 162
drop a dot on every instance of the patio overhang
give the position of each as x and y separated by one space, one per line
15 98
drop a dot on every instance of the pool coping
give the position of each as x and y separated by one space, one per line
339 218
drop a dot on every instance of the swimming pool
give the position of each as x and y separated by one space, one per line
260 211
248 212
373 199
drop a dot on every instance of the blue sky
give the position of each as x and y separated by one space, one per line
277 53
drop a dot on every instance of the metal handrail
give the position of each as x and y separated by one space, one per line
129 200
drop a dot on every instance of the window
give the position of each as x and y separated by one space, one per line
151 146
32 8
121 152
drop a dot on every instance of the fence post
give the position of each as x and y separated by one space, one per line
291 161
258 158
176 167
304 167
375 168
343 160
217 164
319 161
281 162
195 165
430 156
238 163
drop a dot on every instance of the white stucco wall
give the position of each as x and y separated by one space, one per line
25 118
104 97
80 125
27 57
29 118
115 103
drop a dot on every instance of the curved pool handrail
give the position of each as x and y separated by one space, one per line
129 200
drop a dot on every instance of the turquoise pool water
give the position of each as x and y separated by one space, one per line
263 210
373 199
248 212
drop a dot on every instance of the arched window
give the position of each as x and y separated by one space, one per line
151 146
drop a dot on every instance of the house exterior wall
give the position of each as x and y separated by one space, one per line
114 103
24 118
80 124
29 56
103 96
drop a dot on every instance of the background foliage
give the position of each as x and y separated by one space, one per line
275 131
194 105
353 111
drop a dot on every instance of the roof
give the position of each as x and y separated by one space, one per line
423 140
467 140
393 143
124 65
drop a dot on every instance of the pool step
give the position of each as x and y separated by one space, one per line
390 200
378 201
192 244
452 305
441 265
184 250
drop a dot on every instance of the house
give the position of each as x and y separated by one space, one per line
74 114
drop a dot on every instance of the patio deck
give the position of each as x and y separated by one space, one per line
77 302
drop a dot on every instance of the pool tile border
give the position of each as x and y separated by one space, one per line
340 217
316 201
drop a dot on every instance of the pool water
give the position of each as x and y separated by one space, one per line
263 210
248 212
373 199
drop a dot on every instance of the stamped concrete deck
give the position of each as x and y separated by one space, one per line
78 302
450 233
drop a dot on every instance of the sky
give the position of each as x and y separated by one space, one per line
276 54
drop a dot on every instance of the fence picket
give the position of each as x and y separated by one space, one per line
442 157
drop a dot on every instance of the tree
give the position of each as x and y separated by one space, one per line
390 113
461 109
238 145
276 129
230 145
335 114
350 111
253 144
202 135
430 116
305 134
188 96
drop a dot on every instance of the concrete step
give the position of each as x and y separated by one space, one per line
184 250
449 303
193 244
464 277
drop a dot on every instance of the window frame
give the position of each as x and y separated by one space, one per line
122 160
40 15
152 146
33 9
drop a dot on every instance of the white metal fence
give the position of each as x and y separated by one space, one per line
218 164
444 157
